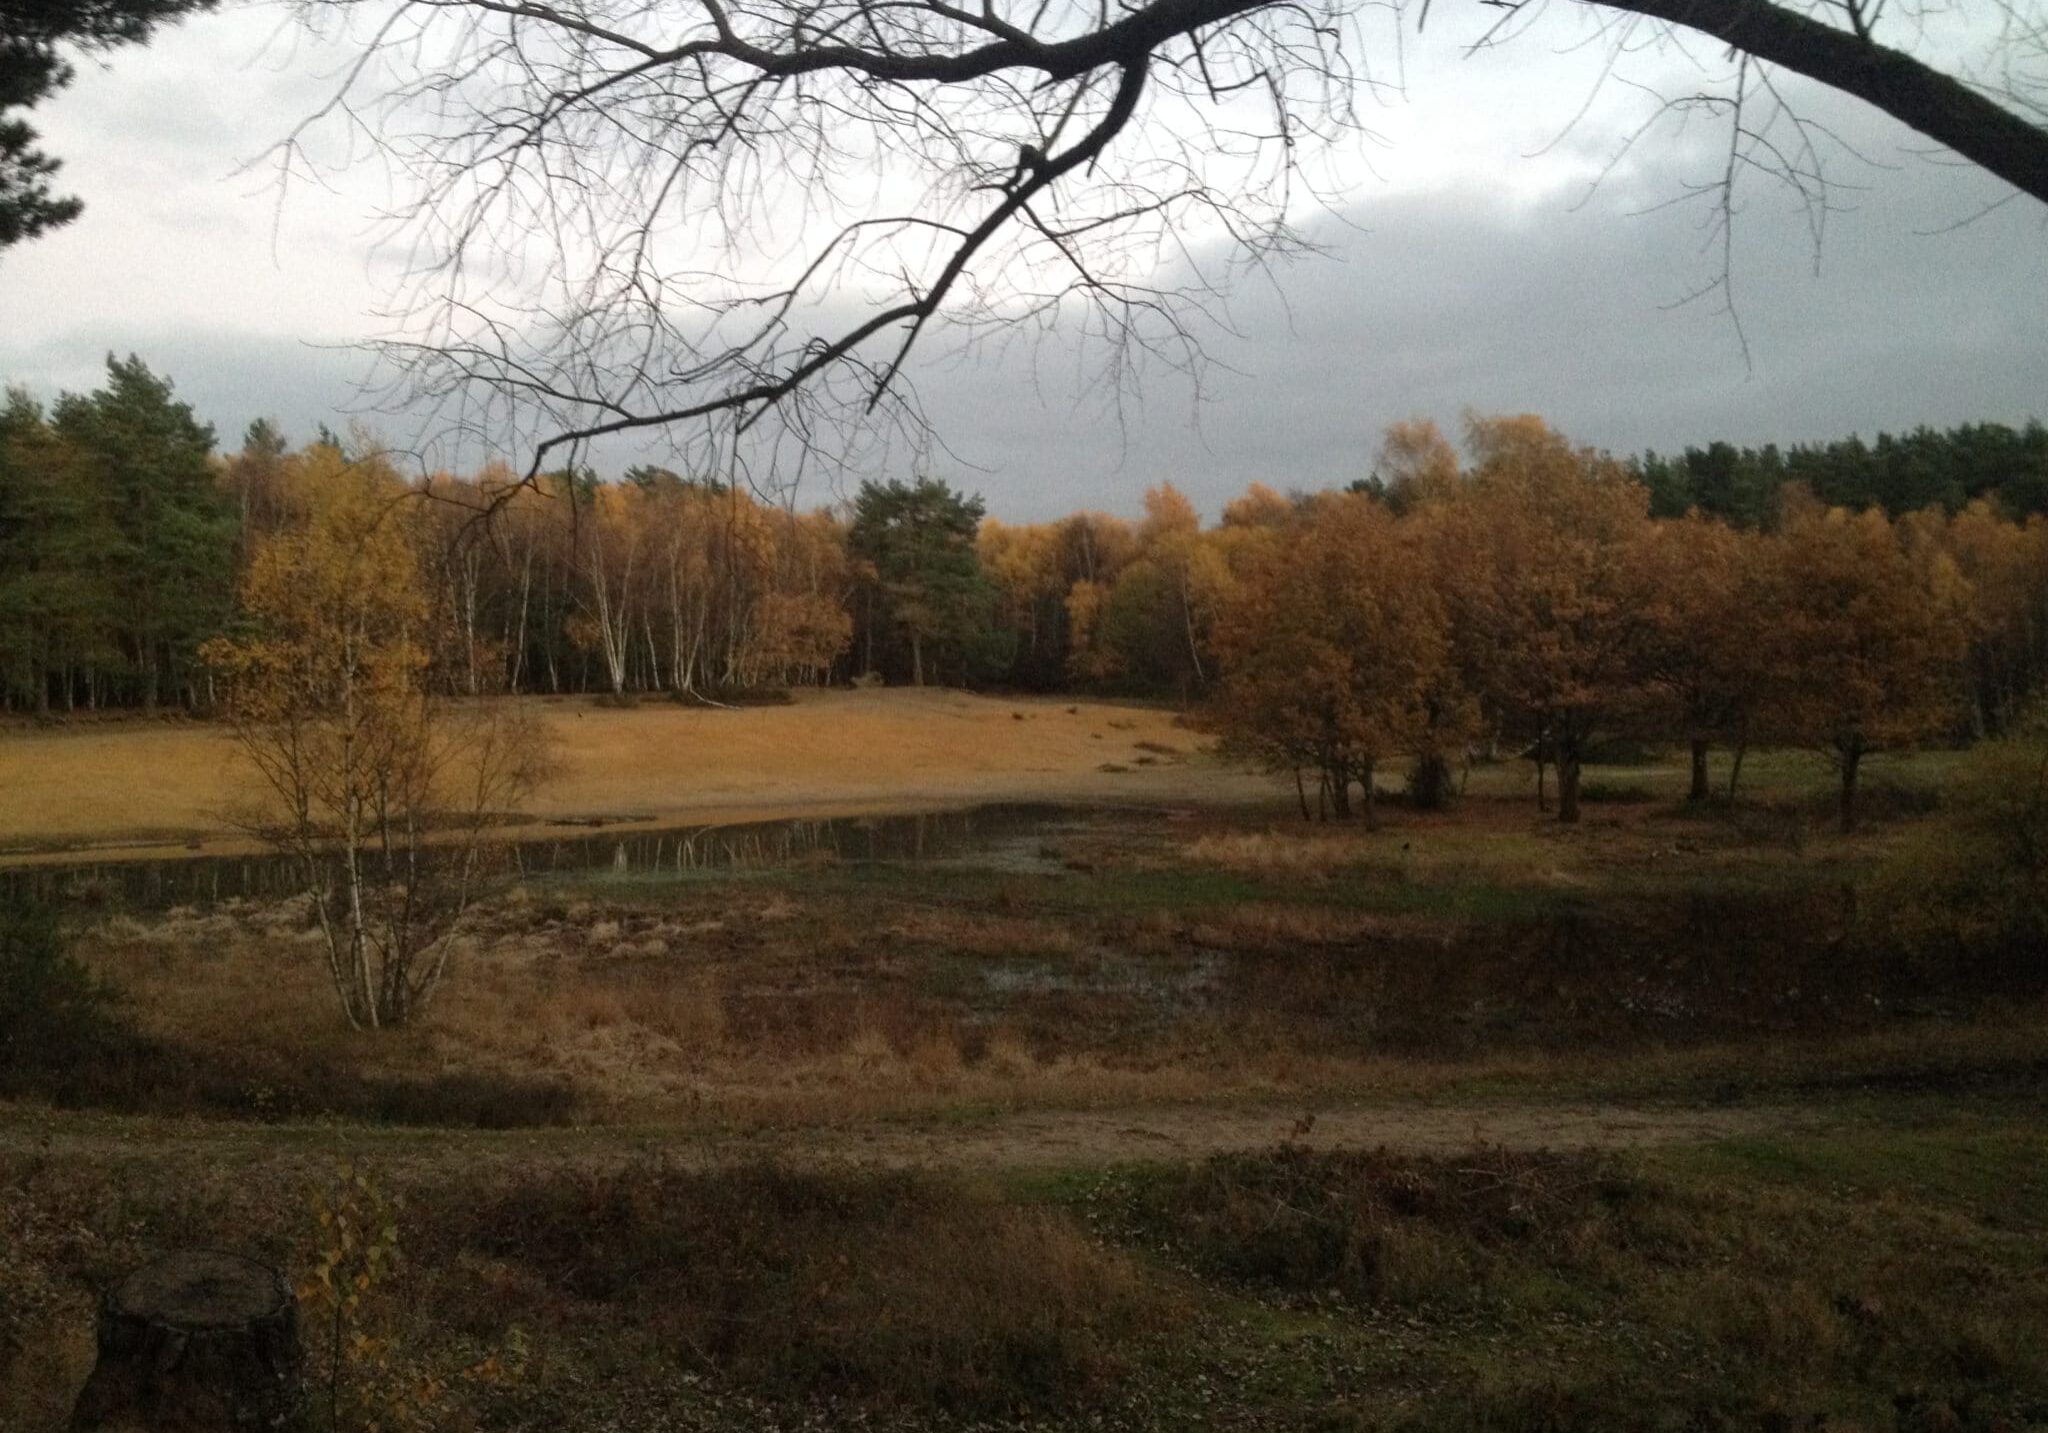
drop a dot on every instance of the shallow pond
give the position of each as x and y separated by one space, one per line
1010 836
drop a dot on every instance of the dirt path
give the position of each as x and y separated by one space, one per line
1065 1138
1036 1140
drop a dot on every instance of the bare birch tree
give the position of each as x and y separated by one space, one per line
382 794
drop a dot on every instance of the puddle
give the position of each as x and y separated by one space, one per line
1176 982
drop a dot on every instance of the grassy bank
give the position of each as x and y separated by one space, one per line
1193 1116
1875 1278
1187 955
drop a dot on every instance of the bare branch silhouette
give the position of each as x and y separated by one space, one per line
736 221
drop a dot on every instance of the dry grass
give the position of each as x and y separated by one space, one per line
1294 852
740 1006
1199 958
1490 843
893 1290
1197 954
1884 1275
1749 1286
735 1008
866 1292
1822 1204
829 752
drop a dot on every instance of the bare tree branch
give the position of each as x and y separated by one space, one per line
738 220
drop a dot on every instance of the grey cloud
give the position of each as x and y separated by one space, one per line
1431 302
1450 301
1435 303
230 378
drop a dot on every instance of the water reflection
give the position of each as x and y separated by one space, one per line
1009 835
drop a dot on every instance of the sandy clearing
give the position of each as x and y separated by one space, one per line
143 788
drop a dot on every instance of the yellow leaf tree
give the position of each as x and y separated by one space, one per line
2006 568
381 793
1539 552
1332 645
1704 595
1868 640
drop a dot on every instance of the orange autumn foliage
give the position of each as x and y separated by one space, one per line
1333 645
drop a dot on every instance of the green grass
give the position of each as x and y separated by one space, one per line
1989 1167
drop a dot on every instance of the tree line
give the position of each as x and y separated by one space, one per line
1526 597
1902 474
119 540
1529 594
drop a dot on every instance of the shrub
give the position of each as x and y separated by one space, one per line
896 1290
53 1012
1375 1228
354 1291
1971 892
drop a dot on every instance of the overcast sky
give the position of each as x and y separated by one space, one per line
1467 271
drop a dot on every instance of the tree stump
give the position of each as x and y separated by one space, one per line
196 1342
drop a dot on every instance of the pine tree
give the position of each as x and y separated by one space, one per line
173 525
925 605
33 34
57 597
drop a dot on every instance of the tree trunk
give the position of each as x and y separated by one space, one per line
1735 768
1568 781
518 673
868 634
1700 790
1301 795
1431 788
1851 760
197 1342
1365 780
1187 615
1340 793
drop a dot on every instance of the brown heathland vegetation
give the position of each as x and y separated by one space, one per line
133 784
1139 957
1155 1117
954 1146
